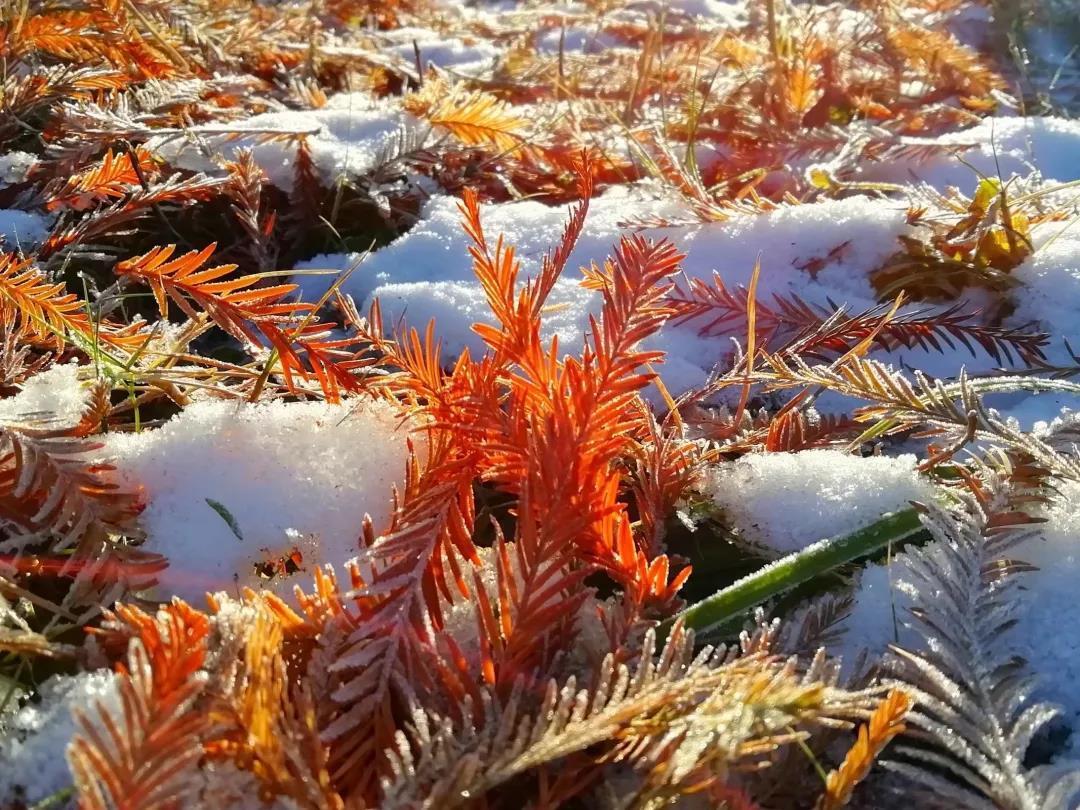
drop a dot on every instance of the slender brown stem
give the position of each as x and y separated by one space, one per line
770 15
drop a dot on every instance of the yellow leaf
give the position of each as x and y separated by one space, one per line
474 118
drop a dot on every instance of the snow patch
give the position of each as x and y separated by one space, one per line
464 56
721 13
33 743
21 229
290 475
786 501
55 391
1047 300
1050 606
345 137
879 615
14 167
995 146
1050 279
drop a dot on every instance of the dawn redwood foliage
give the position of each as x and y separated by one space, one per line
558 595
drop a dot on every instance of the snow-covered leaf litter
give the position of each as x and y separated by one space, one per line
786 502
425 275
345 138
215 452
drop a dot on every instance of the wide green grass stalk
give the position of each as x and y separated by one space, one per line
731 603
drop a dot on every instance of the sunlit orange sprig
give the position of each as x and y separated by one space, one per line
112 178
544 428
251 314
553 445
474 118
885 723
268 722
136 754
100 34
387 626
50 483
49 313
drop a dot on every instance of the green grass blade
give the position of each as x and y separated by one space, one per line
227 516
788 572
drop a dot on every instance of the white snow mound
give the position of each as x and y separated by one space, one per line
289 475
32 744
786 501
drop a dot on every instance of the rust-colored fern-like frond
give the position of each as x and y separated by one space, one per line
47 311
930 330
138 204
549 441
959 69
497 271
268 722
68 35
565 423
794 325
474 118
666 467
48 485
792 431
23 96
337 364
540 580
415 566
126 622
245 192
886 722
516 337
253 314
113 178
307 192
232 304
102 33
554 260
634 284
139 753
17 362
